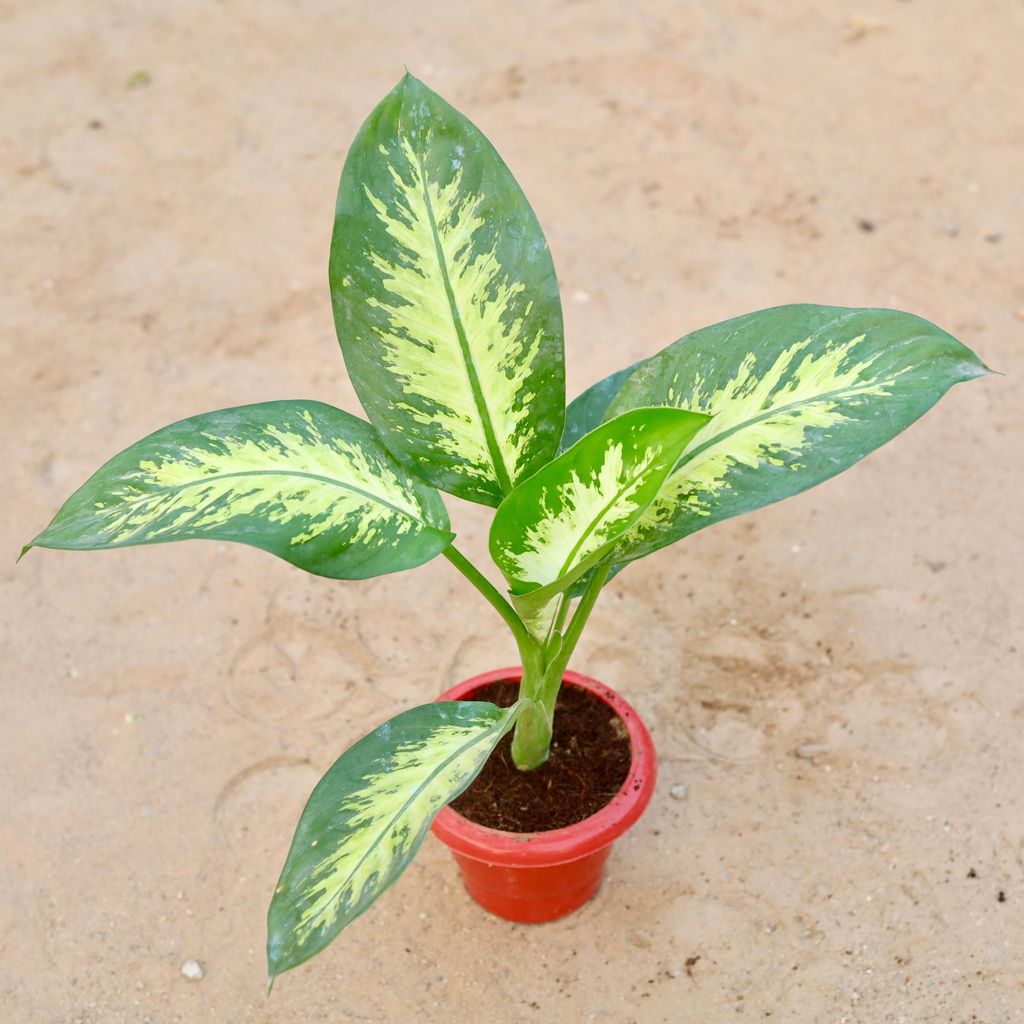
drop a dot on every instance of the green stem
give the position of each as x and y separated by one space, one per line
541 683
542 678
556 669
557 623
562 612
523 639
532 736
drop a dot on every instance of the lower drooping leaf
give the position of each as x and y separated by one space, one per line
368 816
303 480
572 513
796 393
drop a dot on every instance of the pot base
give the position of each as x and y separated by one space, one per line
533 895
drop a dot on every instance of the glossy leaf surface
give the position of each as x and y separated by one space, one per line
797 394
305 481
368 816
573 512
445 299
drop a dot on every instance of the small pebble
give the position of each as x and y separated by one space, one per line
192 970
678 791
809 751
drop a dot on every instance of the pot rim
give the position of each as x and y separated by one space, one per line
557 846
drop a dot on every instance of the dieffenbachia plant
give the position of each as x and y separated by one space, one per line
447 310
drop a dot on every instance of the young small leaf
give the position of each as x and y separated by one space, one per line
302 480
797 394
572 513
368 816
445 299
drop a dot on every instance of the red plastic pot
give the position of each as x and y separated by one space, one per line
541 876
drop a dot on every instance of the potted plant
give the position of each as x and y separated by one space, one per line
447 311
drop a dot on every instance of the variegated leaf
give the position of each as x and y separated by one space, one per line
572 513
445 299
303 480
368 816
796 394
584 414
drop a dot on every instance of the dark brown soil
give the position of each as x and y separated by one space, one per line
590 758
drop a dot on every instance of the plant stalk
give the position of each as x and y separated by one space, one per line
544 663
531 740
522 635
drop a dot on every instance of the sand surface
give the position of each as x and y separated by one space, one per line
166 710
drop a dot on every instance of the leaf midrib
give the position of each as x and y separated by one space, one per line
633 483
215 477
497 460
386 829
688 457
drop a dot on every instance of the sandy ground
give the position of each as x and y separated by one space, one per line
167 710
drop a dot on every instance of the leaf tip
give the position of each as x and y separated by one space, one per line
24 551
409 80
271 978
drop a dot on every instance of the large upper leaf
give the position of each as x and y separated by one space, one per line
445 299
367 817
572 513
796 394
303 480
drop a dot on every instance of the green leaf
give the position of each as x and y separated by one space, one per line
445 299
572 513
797 394
586 411
302 480
368 816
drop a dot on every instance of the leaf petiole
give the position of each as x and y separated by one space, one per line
525 642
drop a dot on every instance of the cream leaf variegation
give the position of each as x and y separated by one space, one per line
367 817
303 480
796 394
450 323
445 299
574 511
